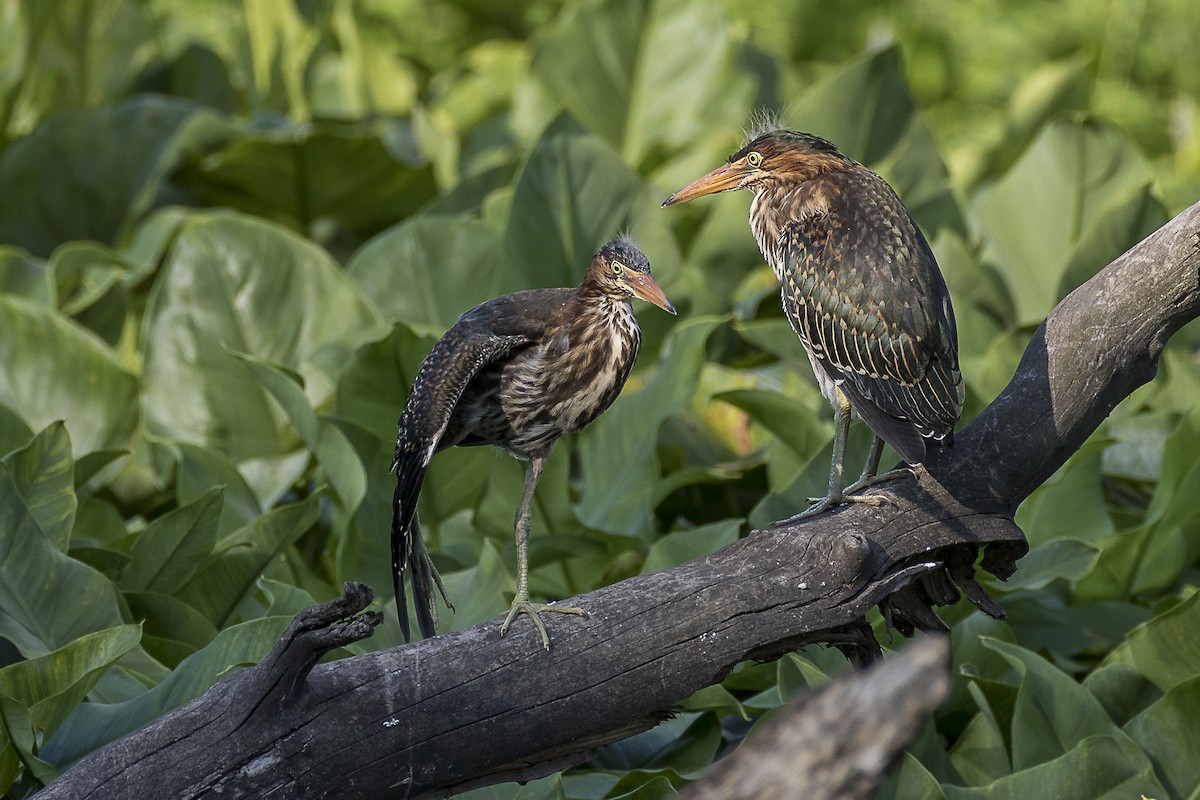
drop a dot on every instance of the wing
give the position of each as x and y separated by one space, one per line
484 335
863 291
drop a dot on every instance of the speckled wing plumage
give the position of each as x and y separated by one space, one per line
485 335
862 290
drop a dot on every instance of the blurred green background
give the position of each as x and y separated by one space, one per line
230 231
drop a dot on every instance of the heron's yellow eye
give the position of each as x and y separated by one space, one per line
754 159
617 267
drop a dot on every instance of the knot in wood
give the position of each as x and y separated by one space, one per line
849 553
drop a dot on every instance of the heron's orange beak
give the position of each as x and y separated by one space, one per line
721 179
646 288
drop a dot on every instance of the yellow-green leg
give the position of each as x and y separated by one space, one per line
869 477
836 495
520 603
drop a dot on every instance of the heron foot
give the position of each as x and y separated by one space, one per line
521 605
867 481
823 504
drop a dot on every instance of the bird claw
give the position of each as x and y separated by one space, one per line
868 481
523 606
822 504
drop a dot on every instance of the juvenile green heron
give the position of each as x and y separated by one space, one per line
516 372
861 289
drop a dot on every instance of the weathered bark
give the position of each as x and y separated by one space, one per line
837 742
470 708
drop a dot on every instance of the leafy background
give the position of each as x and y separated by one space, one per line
231 230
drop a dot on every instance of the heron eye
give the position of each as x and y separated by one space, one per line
617 267
754 159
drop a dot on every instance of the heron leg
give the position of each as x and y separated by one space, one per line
869 477
836 495
520 603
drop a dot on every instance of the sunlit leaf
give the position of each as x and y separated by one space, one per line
574 194
212 297
1072 184
613 63
428 271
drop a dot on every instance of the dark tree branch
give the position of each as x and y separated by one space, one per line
837 742
470 708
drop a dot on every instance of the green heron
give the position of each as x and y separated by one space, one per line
861 289
516 372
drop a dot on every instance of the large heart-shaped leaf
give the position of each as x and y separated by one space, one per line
574 194
1073 184
364 175
645 75
215 295
83 384
428 271
89 174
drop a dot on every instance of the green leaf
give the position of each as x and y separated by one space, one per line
19 739
573 195
230 577
1165 649
1053 713
201 469
90 173
44 475
24 275
617 452
866 108
212 296
47 598
50 686
1122 690
333 452
1070 186
980 754
91 725
685 744
1097 768
83 384
167 554
443 263
1168 732
363 175
911 781
1061 559
793 423
172 630
680 546
1072 500
613 63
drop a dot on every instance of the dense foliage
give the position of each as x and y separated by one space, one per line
231 230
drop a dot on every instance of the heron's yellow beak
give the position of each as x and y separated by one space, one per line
721 179
646 288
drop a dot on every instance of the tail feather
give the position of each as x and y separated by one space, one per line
406 532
